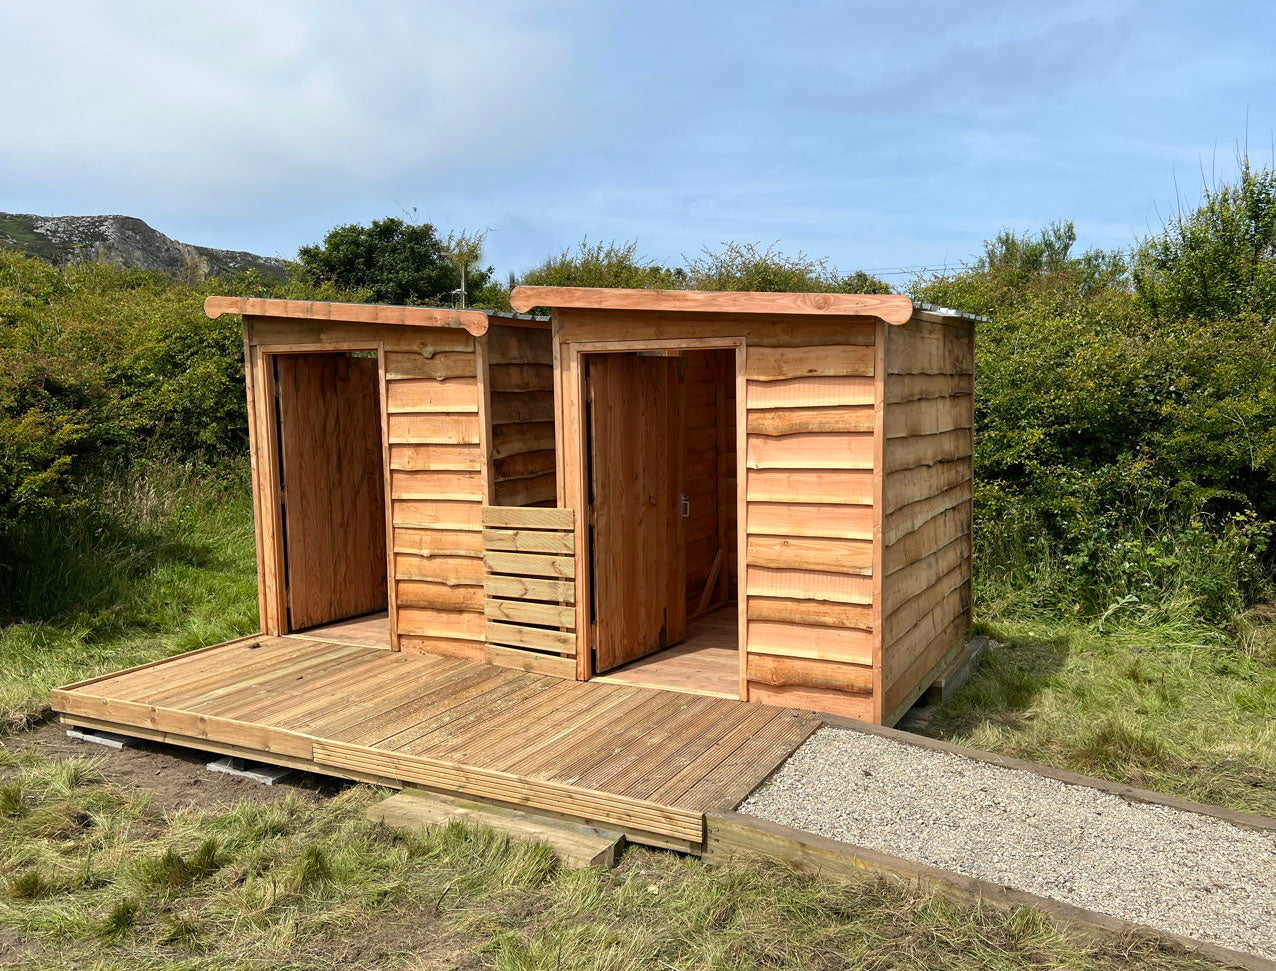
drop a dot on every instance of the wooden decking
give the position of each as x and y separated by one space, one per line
647 761
706 663
370 630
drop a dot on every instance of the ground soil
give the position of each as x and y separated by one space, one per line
175 778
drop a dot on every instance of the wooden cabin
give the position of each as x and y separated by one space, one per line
757 496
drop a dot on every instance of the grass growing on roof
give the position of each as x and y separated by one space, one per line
95 876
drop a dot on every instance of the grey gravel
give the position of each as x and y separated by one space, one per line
1178 871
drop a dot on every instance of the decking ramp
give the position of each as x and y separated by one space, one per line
646 761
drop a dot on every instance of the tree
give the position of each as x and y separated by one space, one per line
396 261
464 250
1218 260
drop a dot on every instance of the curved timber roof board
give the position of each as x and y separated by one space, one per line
474 321
893 308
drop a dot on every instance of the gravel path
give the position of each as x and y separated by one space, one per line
1178 871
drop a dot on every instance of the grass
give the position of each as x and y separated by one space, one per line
99 878
92 875
1170 708
157 563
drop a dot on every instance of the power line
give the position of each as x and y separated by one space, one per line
923 268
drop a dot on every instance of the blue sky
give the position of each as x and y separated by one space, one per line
880 136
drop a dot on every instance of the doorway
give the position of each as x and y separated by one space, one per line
660 453
331 486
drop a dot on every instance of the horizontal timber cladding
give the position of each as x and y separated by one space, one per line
529 590
928 426
810 522
520 413
852 487
436 492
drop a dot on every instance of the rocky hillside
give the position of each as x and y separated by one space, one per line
125 241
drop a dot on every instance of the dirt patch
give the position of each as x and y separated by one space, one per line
176 778
423 940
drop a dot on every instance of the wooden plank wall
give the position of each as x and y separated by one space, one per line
710 480
809 519
520 388
437 490
530 587
436 481
807 499
927 494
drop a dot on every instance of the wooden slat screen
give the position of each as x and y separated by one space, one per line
529 571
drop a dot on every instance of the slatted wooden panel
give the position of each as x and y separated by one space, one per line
529 570
436 492
926 525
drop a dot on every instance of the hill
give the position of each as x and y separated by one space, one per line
126 242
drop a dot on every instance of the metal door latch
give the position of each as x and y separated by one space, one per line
684 506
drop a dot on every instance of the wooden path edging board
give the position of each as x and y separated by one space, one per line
733 835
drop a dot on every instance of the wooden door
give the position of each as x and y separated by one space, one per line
637 405
332 486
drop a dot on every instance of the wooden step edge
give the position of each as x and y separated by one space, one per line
577 845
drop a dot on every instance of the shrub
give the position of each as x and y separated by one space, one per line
104 365
1126 413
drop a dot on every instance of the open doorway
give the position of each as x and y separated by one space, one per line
331 487
661 477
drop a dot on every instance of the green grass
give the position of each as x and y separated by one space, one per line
98 878
1171 707
154 564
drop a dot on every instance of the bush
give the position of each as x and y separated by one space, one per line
608 264
736 266
1126 413
104 365
747 266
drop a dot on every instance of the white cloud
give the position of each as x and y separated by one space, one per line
254 99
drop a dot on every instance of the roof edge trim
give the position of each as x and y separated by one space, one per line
893 308
474 321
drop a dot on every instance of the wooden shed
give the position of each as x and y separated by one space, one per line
754 496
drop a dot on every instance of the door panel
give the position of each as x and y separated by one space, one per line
332 486
637 408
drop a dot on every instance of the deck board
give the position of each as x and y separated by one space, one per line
651 761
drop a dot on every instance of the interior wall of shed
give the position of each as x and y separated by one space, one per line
520 415
710 480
